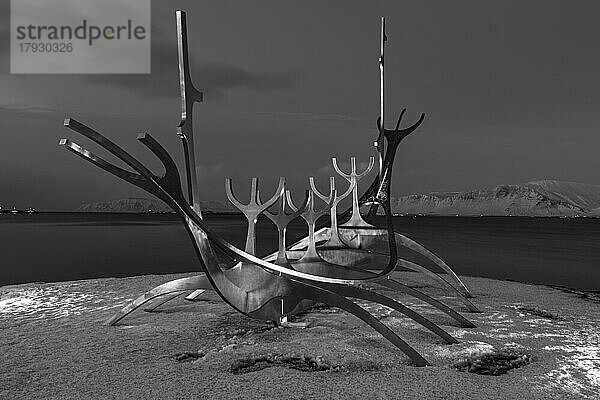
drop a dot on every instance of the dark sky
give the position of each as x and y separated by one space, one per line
510 90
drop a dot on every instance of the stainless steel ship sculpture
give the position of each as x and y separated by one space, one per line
325 267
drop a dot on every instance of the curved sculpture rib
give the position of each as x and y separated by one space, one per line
178 286
460 295
192 296
326 269
358 293
320 234
395 285
335 300
164 299
415 246
160 302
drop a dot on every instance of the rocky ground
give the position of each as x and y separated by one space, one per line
531 342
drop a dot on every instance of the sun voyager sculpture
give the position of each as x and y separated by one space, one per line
332 264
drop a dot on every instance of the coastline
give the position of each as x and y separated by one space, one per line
591 295
238 213
57 345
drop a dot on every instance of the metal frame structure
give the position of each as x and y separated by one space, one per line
325 267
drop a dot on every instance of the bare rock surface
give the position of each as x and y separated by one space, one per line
54 345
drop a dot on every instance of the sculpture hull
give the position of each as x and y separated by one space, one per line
269 291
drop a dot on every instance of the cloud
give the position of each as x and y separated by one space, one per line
17 108
161 82
214 79
310 117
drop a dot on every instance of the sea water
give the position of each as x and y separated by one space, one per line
50 247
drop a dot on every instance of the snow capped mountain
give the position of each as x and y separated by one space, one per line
586 196
538 198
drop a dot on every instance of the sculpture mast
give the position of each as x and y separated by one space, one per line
379 144
189 95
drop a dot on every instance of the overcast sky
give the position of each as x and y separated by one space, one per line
510 90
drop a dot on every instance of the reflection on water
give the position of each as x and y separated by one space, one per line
66 246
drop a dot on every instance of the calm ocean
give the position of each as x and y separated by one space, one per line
49 247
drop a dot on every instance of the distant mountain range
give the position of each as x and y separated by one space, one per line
537 199
144 205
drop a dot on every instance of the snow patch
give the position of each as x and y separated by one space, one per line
54 301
